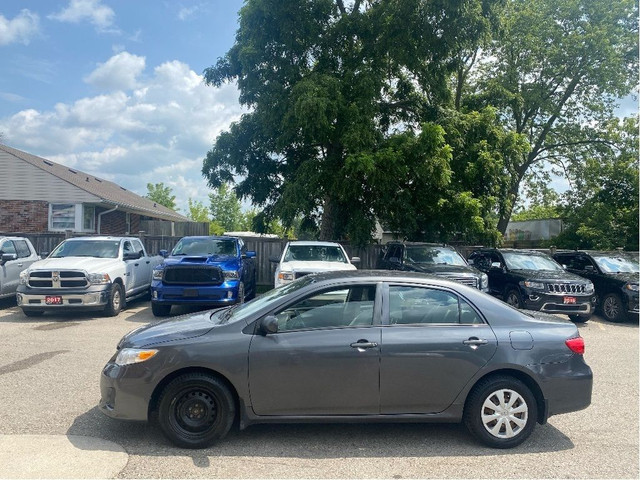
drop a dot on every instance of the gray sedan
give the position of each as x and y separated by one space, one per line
351 346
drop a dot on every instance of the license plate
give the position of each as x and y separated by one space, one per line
569 300
53 300
190 292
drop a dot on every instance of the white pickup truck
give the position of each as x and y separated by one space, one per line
87 273
16 254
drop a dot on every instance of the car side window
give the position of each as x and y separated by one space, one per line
22 249
481 261
137 246
410 305
337 307
8 247
127 248
395 251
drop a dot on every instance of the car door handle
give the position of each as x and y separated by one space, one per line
475 341
363 344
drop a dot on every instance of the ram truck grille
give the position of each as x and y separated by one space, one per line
58 279
192 275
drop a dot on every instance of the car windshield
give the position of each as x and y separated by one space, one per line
617 263
525 261
433 255
87 248
203 247
245 310
314 253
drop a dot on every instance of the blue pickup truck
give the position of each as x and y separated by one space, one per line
207 271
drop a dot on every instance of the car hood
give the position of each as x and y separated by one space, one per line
440 269
219 260
625 277
299 266
90 264
551 275
179 328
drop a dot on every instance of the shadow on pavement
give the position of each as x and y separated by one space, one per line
316 441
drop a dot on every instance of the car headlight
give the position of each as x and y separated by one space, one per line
632 286
588 288
484 281
231 274
157 274
533 285
128 356
285 276
99 278
24 276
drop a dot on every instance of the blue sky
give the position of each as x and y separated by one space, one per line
114 87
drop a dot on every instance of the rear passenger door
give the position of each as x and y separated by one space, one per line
433 343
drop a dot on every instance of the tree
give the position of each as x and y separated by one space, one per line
344 100
198 212
161 194
553 73
226 212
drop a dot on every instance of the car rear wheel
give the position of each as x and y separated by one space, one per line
196 410
579 318
160 310
612 308
514 298
33 313
116 301
501 412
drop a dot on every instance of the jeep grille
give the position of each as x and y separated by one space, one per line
565 288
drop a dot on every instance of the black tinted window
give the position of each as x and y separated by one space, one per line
419 305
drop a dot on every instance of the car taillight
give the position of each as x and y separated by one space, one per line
576 345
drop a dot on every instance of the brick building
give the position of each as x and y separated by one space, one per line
40 196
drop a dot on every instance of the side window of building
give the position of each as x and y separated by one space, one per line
8 247
22 249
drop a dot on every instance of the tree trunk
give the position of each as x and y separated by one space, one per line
328 221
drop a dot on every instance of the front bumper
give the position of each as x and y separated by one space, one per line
125 391
555 303
92 297
631 299
217 295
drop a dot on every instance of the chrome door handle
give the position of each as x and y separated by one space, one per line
362 344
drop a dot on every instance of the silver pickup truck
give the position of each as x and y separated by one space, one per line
16 254
98 273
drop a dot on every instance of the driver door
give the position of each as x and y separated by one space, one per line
324 359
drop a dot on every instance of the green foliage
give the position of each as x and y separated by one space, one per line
537 212
161 194
198 212
226 213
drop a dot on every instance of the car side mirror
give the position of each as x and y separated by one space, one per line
274 259
268 325
8 257
249 254
164 253
355 259
589 268
496 266
131 256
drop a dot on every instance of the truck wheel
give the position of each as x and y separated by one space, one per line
579 318
240 293
33 313
612 308
160 310
513 298
116 301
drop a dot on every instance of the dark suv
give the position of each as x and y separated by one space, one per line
533 280
437 259
614 276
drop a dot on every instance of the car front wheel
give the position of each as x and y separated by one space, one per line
116 301
501 412
196 410
513 298
160 309
612 308
579 318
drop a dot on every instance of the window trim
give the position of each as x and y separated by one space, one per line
79 210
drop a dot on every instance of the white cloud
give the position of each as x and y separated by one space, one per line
78 11
120 72
158 132
21 29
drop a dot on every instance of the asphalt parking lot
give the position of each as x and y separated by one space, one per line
50 425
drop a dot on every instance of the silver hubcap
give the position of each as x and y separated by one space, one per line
611 307
116 300
504 413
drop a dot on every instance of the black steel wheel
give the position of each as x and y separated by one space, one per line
33 313
159 309
580 318
501 412
116 301
196 410
612 308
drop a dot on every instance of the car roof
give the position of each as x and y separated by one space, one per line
426 244
211 237
597 252
309 243
511 250
384 275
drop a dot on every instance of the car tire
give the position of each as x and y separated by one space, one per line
579 318
116 301
612 308
240 298
33 313
513 298
501 412
195 410
160 310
